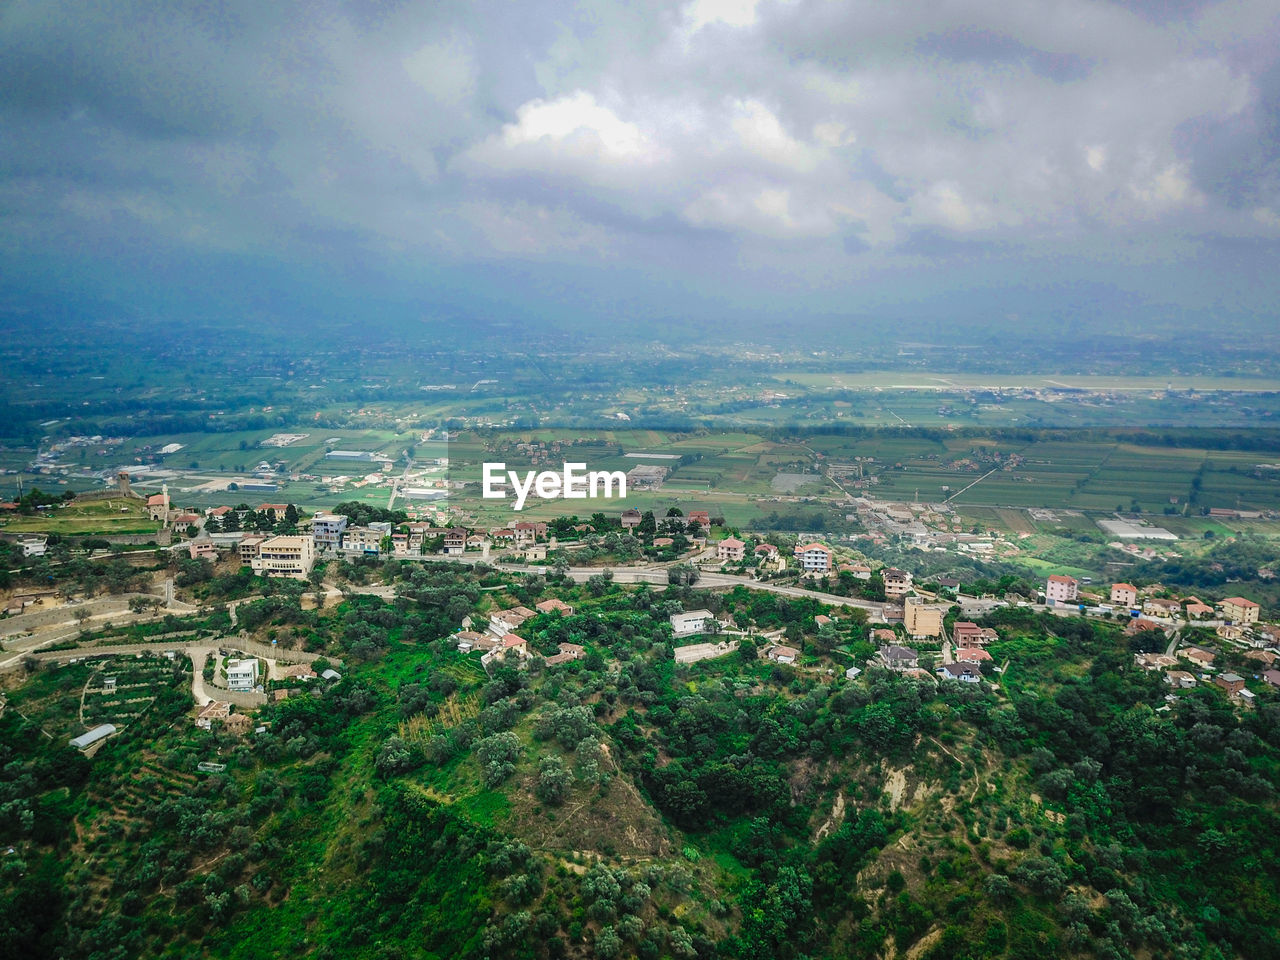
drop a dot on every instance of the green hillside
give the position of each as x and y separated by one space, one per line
622 806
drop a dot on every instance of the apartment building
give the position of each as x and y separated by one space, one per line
288 556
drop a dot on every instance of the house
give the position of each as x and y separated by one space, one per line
765 550
1264 657
211 711
964 672
515 642
33 546
327 530
1229 631
1233 683
535 551
1060 589
100 732
504 621
1198 655
860 571
663 542
217 513
503 535
527 532
186 519
852 673
568 651
455 541
1124 594
923 621
815 558
701 517
897 583
731 549
690 622
968 634
630 518
248 547
1239 610
1271 677
1158 607
780 654
1141 625
297 671
1154 661
1268 634
202 548
285 556
883 636
896 657
242 675
554 605
1180 679
821 620
468 640
275 511
1197 610
973 655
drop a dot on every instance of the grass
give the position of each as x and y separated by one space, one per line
121 515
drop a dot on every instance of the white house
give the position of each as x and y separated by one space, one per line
242 675
690 622
33 546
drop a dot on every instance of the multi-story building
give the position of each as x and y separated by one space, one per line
248 548
289 556
362 540
1239 610
1125 594
327 530
1060 589
731 548
897 583
455 541
815 558
242 675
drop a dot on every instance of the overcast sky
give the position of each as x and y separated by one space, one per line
609 161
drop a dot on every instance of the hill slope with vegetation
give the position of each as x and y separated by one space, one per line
621 805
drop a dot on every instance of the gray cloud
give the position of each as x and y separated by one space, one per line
807 146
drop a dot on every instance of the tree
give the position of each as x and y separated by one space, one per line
553 781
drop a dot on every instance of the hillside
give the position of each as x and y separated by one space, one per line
619 805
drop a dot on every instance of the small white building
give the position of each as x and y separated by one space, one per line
690 622
33 546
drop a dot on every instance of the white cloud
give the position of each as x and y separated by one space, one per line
733 13
582 126
760 131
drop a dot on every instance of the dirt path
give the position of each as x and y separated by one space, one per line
837 817
896 786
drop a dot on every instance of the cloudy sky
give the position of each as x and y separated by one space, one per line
700 160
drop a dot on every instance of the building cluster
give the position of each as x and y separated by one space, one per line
500 639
